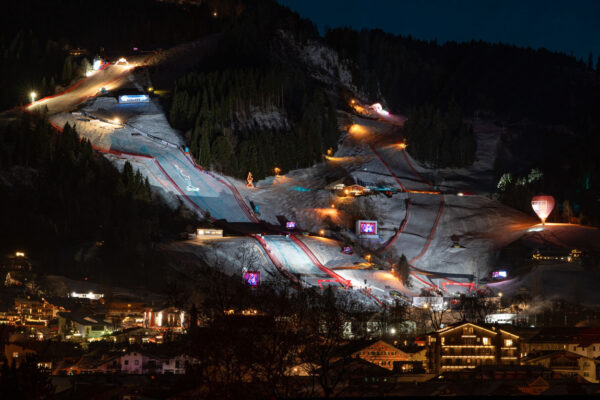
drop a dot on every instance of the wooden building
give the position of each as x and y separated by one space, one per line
466 345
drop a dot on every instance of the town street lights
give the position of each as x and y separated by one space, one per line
33 96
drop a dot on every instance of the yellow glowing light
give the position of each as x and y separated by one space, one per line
151 89
332 205
116 120
403 145
356 129
19 254
215 14
329 151
346 191
322 232
277 170
368 257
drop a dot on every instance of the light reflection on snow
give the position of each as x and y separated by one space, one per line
536 229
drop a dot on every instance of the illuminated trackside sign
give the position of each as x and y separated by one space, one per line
252 278
290 225
366 228
134 98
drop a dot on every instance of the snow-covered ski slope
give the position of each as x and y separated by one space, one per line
160 158
418 222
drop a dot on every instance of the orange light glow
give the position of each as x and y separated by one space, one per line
356 129
322 232
385 275
277 170
327 212
403 145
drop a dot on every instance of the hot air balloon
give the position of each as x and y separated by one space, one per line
542 205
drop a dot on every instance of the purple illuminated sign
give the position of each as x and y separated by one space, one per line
290 225
252 278
499 274
368 228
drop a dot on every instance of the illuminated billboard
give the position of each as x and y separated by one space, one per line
366 228
499 274
252 278
290 225
134 98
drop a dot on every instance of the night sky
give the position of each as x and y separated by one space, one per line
572 26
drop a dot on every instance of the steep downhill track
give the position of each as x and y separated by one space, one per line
200 189
423 221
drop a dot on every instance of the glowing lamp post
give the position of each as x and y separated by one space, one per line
277 171
542 205
33 95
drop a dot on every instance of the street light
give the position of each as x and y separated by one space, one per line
322 232
277 170
33 96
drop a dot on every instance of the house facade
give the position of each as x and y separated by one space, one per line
467 345
135 362
385 355
582 341
567 363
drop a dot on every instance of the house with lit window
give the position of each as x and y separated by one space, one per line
567 364
178 364
466 345
136 362
122 308
35 311
387 356
79 326
170 317
15 353
580 340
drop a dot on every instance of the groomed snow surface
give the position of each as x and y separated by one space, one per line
431 222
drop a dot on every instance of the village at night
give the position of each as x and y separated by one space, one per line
261 199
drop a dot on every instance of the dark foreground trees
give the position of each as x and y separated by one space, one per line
25 381
293 346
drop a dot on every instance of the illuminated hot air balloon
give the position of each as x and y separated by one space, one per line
542 205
